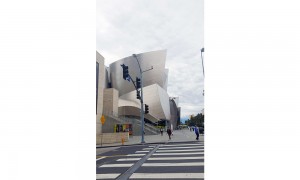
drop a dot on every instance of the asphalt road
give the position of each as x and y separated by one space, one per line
181 160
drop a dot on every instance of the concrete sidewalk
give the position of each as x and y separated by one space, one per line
178 136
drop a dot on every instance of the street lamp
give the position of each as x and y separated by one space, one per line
202 50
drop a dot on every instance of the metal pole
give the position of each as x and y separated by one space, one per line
202 50
142 107
101 138
142 104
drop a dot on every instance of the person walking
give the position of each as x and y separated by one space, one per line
161 131
197 132
169 132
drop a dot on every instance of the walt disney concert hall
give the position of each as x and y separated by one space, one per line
119 103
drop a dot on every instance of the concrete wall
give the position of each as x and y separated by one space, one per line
110 101
112 138
101 77
109 124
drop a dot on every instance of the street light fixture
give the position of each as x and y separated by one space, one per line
202 50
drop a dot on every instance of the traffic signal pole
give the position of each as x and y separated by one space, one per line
142 102
137 85
142 98
142 107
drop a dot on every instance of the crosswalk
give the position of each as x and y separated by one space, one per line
168 161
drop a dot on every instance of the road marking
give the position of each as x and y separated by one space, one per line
129 159
174 158
100 158
112 155
106 176
166 175
170 154
173 164
135 154
179 150
116 165
141 151
196 144
183 147
138 164
147 149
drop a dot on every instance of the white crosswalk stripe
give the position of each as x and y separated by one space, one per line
142 151
178 150
129 159
164 162
191 147
167 175
174 164
124 162
167 145
135 154
116 165
173 154
173 158
169 161
106 176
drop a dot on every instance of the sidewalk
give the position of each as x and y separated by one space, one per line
178 136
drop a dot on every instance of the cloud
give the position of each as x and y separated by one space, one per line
137 26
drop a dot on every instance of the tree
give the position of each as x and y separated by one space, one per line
197 120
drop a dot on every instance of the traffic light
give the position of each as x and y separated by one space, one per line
138 96
146 109
138 83
125 72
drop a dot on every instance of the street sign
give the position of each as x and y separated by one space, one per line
102 119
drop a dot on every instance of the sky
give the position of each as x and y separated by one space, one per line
137 26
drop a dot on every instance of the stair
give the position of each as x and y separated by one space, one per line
111 120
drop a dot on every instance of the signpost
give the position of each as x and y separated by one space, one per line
102 122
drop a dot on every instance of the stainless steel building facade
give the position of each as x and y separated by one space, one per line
155 84
120 101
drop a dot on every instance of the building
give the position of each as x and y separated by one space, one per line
100 84
120 103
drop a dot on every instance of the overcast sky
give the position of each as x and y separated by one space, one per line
137 26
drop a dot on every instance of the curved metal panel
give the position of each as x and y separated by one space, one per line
154 96
157 75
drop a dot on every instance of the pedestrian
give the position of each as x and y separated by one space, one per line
161 131
197 132
169 132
